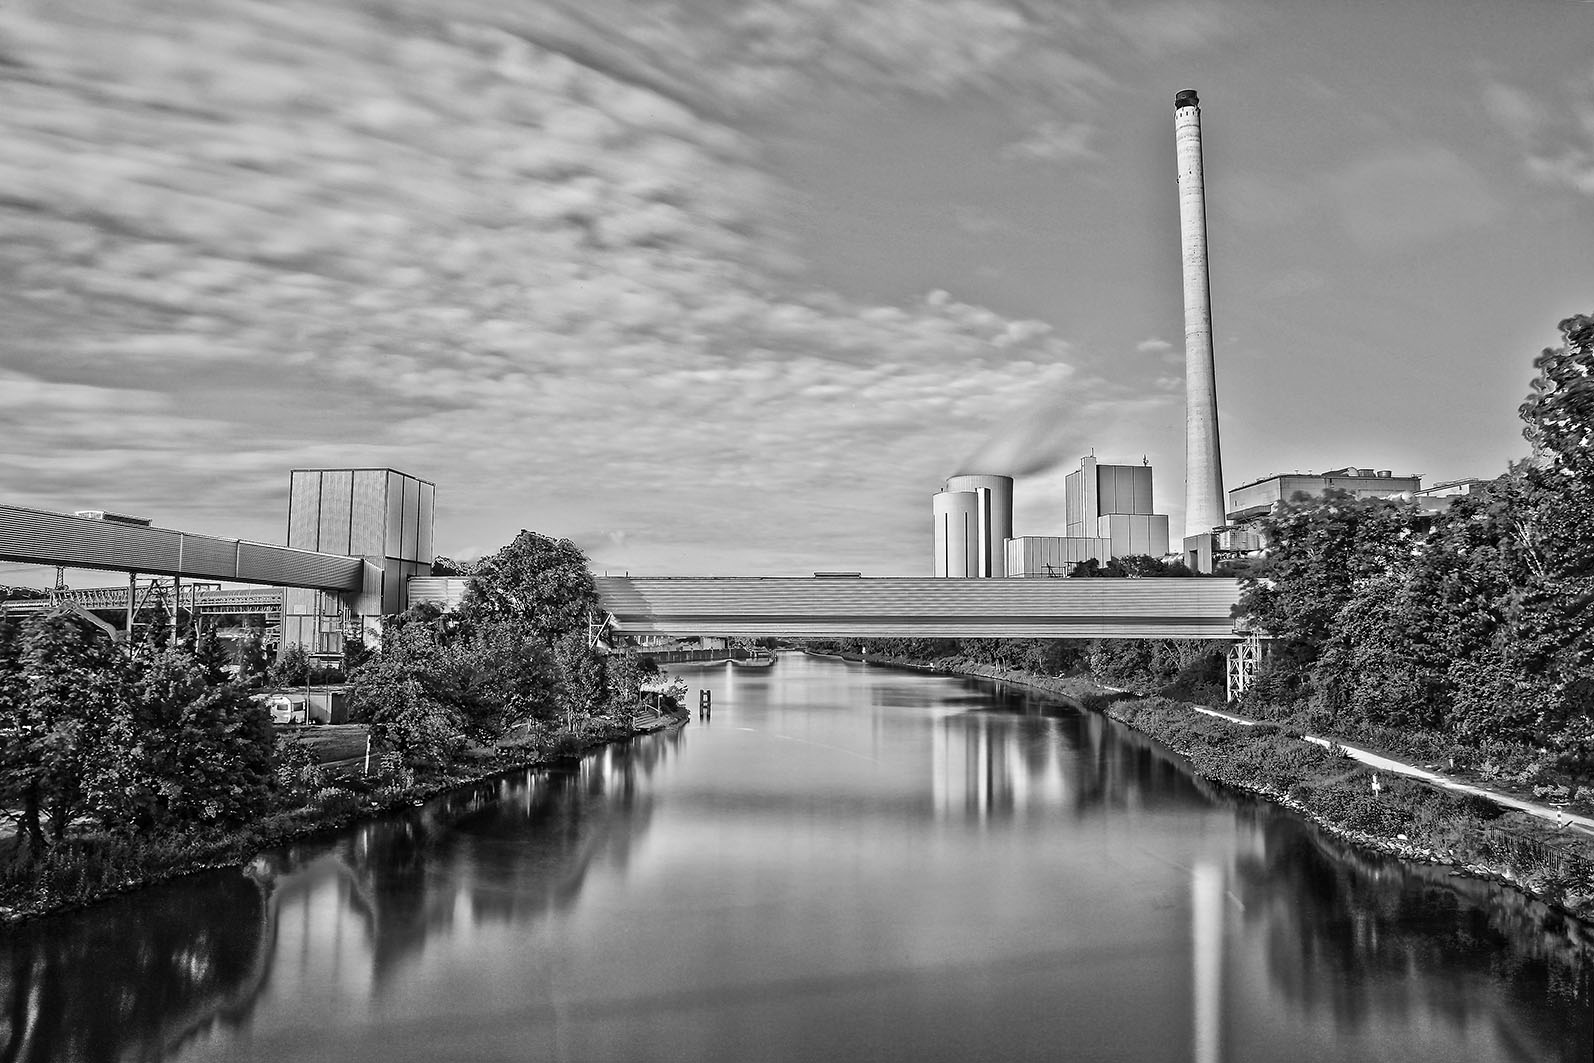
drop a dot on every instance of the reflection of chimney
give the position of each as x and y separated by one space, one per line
1206 926
1203 466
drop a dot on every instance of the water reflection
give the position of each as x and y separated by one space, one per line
189 960
132 979
843 863
1371 942
1020 757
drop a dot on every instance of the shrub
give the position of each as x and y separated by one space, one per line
336 801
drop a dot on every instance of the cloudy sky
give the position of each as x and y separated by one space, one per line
731 286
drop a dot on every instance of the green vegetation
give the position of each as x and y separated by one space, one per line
121 767
1468 633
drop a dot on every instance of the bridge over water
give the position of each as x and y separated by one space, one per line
820 607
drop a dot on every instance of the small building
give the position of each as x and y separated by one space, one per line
1051 556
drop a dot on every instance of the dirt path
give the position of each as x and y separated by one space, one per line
1559 816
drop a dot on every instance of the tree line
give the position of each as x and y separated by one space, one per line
100 739
1472 626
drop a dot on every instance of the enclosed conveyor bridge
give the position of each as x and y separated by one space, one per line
827 607
41 537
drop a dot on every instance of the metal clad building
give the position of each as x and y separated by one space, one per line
923 607
381 516
996 517
1044 556
958 533
1255 499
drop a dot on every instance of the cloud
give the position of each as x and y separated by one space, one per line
1153 346
1411 196
542 267
1557 137
1055 142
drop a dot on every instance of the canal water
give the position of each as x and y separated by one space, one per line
844 863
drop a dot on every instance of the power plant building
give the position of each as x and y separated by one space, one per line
1257 498
1050 556
1113 502
973 518
1107 510
383 517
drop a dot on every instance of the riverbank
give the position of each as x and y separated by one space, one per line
81 871
1473 833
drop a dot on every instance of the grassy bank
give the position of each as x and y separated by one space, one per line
82 869
1403 818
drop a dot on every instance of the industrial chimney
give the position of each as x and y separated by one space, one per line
1203 465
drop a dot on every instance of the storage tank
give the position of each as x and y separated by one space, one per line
996 525
957 517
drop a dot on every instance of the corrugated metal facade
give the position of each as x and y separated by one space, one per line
927 607
33 535
382 517
1043 556
1123 489
304 507
369 507
445 592
337 499
1135 533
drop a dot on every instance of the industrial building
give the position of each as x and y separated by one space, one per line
1107 514
1257 498
356 537
1113 502
382 516
973 517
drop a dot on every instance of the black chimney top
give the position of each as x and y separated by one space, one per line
1187 98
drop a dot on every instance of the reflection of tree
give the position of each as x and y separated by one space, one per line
1033 751
1346 929
135 978
518 848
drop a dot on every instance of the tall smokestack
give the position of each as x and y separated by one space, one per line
1203 465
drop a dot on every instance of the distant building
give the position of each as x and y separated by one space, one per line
1257 499
1107 514
1113 502
1051 556
973 518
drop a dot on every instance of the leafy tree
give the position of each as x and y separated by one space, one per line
580 687
70 687
193 749
541 581
253 665
291 668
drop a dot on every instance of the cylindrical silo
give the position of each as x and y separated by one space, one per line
996 525
1203 466
957 533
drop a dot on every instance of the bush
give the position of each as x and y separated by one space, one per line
336 801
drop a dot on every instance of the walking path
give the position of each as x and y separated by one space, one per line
1558 816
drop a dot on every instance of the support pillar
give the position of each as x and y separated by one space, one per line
177 605
1244 656
132 608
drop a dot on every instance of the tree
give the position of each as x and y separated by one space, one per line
580 687
70 686
193 748
291 668
541 581
253 666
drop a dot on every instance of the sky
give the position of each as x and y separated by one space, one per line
729 287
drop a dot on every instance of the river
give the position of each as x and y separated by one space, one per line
845 862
